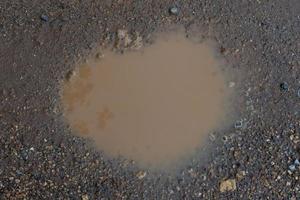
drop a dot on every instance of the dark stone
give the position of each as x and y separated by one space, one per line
284 86
44 18
70 74
222 50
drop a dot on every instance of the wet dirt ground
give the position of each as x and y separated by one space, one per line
41 42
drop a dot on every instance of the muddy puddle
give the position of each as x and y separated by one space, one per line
154 106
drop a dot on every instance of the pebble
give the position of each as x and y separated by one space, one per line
85 197
298 93
231 84
24 154
228 185
18 172
44 18
212 137
124 37
297 162
292 167
240 175
284 86
122 33
70 74
173 10
140 175
138 42
99 55
238 124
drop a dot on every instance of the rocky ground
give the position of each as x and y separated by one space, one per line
41 41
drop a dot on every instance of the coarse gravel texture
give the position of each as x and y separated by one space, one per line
40 44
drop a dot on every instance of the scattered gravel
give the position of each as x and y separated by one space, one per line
41 159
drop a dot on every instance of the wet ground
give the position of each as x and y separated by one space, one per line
41 42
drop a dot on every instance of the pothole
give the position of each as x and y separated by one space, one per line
154 106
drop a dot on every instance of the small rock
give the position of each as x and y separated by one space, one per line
231 84
138 42
298 93
24 154
228 185
284 86
1 185
225 138
85 197
123 38
240 175
140 175
18 172
121 33
238 124
44 18
174 10
70 74
297 162
292 167
99 55
192 173
212 137
222 50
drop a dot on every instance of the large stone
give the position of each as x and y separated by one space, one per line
228 185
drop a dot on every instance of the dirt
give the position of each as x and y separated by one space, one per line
41 41
154 106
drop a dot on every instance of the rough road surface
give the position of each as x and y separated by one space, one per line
40 42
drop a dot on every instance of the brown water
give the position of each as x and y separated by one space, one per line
155 106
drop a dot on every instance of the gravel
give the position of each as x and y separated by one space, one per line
259 41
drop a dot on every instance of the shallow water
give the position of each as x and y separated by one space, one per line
154 106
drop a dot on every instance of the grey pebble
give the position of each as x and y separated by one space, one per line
238 124
19 173
297 162
24 155
174 10
298 93
44 18
292 167
284 86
